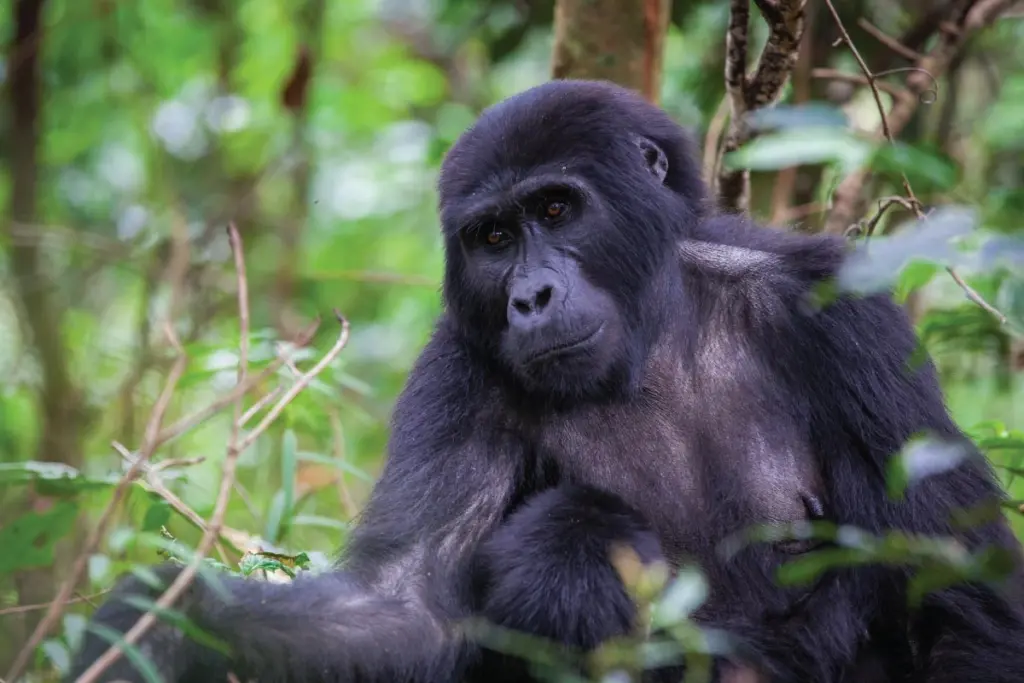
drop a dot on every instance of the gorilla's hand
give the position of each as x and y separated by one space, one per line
163 646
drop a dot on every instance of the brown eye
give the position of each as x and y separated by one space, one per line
555 209
496 237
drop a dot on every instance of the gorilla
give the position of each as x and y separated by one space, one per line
618 365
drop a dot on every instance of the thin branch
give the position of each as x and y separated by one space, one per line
294 390
351 509
836 75
93 539
236 446
887 40
713 139
868 229
21 609
967 18
153 482
243 334
203 414
260 405
946 51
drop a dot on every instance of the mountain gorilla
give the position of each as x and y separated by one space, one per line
616 364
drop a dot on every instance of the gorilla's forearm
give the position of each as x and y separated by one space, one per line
322 628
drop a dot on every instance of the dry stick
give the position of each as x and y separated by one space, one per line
351 509
210 534
969 291
712 140
20 609
294 390
260 405
184 579
92 541
191 421
243 336
887 40
836 75
884 204
153 482
931 65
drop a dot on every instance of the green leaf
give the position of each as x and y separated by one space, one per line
56 477
925 169
156 516
796 147
916 274
28 541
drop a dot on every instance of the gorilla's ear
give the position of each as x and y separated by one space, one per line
654 157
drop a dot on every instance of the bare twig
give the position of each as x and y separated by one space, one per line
93 539
203 414
966 18
940 57
260 405
868 229
351 510
243 336
836 75
236 446
20 609
294 390
785 20
712 139
153 483
887 40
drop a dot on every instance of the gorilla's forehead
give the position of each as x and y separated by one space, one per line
560 125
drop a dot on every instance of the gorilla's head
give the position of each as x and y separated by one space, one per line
559 207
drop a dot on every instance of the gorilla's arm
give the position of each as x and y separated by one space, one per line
383 616
868 400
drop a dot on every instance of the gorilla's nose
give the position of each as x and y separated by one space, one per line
532 300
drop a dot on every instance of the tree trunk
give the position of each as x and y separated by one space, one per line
614 40
60 402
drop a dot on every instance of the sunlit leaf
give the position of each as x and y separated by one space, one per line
814 115
797 147
875 265
921 458
684 594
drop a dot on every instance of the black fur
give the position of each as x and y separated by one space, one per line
712 397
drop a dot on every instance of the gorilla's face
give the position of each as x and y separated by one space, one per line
525 256
558 213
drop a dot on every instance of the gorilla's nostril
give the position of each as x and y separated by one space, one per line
543 297
521 306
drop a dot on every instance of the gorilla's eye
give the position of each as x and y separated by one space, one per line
496 236
555 209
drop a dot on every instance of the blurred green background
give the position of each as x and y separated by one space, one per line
318 126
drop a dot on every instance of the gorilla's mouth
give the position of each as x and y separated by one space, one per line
571 345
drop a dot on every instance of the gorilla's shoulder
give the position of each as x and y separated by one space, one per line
735 246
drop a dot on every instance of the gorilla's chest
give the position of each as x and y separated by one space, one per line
699 467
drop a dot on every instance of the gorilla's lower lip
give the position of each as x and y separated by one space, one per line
565 346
